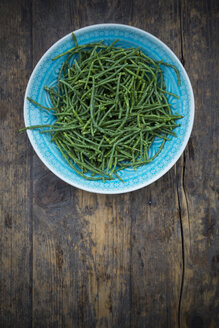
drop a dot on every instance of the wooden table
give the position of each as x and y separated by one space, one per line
70 258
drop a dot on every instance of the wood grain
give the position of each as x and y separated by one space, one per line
200 180
156 235
109 264
15 158
70 258
82 244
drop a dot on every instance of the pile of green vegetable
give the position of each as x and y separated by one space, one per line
110 103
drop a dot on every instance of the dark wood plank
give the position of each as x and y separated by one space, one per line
15 168
199 181
52 226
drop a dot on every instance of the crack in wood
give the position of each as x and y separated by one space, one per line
181 33
183 185
181 194
130 268
183 260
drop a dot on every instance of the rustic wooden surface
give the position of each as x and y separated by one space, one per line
149 258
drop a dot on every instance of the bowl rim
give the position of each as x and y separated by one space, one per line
168 166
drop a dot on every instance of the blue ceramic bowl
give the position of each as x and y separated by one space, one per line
45 73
